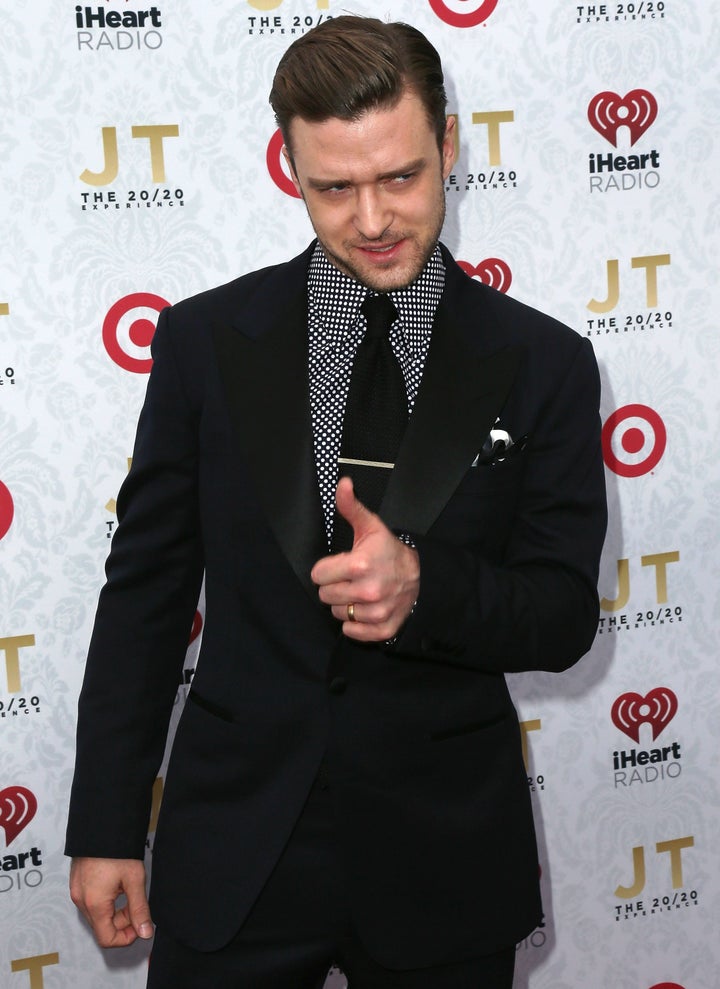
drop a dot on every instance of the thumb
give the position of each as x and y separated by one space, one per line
357 515
138 908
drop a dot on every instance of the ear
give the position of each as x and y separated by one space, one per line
449 145
291 168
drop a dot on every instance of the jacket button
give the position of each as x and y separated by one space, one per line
338 685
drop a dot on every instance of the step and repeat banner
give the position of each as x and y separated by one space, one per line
140 163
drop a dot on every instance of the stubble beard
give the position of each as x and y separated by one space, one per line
389 279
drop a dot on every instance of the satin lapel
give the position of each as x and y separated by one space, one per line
266 385
460 396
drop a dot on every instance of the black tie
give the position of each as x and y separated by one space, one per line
376 414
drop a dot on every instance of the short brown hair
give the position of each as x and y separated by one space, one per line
348 65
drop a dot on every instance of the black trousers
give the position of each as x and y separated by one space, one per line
301 924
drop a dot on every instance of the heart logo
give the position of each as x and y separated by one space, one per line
608 111
18 806
196 627
492 271
657 708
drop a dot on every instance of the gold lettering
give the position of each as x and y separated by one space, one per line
493 119
660 562
110 152
155 134
674 848
628 892
651 263
35 966
525 727
613 293
11 646
623 594
157 795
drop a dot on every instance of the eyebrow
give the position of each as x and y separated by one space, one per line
412 166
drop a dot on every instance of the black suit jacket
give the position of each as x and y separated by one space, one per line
423 745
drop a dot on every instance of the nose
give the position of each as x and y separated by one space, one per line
372 215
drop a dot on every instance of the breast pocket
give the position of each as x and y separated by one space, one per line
479 515
493 479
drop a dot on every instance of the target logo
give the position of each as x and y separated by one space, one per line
196 629
667 985
492 271
7 510
657 708
463 13
607 112
275 165
128 330
633 440
18 806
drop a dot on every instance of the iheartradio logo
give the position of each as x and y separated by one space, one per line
607 112
18 806
492 271
631 710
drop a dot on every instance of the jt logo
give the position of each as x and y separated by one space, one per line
650 263
674 849
492 120
34 967
11 646
658 560
154 133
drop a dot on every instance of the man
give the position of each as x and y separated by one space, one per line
346 783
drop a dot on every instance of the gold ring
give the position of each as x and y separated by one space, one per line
351 613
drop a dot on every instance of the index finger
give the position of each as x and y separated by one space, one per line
331 569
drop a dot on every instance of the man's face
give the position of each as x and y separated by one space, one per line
374 189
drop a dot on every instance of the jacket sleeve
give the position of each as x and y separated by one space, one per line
143 621
537 607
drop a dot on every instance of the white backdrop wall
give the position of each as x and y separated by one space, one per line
139 164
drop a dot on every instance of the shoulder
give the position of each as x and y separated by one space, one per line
264 290
492 320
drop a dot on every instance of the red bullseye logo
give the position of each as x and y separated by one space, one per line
18 806
492 271
275 160
607 112
657 708
633 440
7 510
667 985
128 330
463 13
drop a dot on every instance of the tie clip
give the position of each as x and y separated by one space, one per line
364 463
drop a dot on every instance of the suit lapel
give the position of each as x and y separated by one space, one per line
263 366
462 392
264 373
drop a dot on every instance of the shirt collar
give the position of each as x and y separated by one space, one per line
328 286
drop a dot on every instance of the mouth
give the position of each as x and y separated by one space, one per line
381 252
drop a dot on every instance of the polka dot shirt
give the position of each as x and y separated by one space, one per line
336 326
